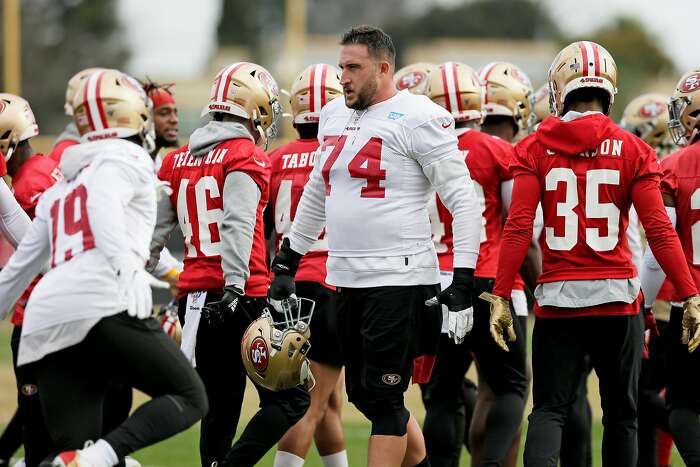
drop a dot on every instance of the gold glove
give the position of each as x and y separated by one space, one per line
691 322
501 319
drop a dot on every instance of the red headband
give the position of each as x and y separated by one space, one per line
161 97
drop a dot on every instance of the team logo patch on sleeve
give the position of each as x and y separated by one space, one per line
392 379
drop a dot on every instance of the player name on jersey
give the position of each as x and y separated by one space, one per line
185 159
298 160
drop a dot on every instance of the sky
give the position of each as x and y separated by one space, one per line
183 38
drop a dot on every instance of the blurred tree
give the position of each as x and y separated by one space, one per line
482 19
336 17
60 38
254 25
638 57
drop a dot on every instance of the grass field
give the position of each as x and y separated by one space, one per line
182 450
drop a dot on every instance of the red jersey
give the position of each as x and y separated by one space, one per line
487 159
36 175
198 184
57 151
584 171
681 181
291 168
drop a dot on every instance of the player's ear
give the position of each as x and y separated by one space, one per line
385 67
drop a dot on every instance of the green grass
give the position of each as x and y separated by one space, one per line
183 450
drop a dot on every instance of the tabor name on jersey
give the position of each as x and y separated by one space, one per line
297 160
608 147
185 159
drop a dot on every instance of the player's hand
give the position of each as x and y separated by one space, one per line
501 319
284 266
650 322
691 322
216 313
458 299
135 288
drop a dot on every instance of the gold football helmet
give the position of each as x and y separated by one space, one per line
415 77
542 103
684 109
17 123
647 117
274 354
312 89
73 86
582 64
507 91
248 91
456 87
112 104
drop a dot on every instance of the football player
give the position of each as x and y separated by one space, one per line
647 117
291 166
32 174
220 187
92 309
456 87
165 116
70 136
679 188
586 171
384 152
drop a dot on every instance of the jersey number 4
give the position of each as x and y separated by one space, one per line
594 209
366 164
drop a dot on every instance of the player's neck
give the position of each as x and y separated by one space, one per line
582 107
385 92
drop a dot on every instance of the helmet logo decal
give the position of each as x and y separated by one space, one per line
411 80
392 379
691 83
652 109
259 354
2 106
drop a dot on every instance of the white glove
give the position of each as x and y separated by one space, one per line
134 289
460 324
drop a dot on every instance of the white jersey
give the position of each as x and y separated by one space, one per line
376 171
100 214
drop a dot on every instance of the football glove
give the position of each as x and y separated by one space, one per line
134 288
284 266
216 313
691 322
650 322
501 319
458 299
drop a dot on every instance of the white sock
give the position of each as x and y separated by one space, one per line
339 459
101 454
287 459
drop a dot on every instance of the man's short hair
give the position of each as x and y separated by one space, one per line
379 43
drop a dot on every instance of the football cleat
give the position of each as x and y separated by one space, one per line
131 462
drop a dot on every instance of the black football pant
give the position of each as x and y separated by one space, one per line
683 392
11 438
503 371
576 440
74 383
559 345
219 364
652 408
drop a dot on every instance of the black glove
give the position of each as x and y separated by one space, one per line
458 296
216 313
285 267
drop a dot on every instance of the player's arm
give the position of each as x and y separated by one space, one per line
112 186
651 274
532 266
14 222
31 256
166 221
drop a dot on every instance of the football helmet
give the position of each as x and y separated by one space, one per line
112 104
542 103
415 77
507 91
73 86
647 117
684 109
274 353
248 91
17 123
456 87
582 64
312 89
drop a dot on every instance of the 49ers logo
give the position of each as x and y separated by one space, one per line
411 80
259 354
520 76
691 83
652 109
2 106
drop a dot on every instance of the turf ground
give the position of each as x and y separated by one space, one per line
182 450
